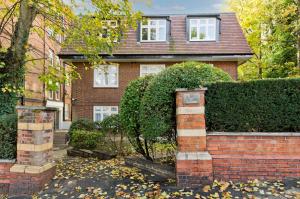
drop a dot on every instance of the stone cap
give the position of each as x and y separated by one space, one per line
7 161
40 108
275 134
189 90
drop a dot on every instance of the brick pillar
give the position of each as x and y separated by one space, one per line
193 162
35 165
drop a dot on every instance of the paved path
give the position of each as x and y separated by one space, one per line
91 178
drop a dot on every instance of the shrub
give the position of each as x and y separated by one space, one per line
158 109
130 114
8 136
82 139
112 128
263 105
82 124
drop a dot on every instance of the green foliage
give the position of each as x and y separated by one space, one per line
111 125
8 136
82 124
263 106
272 30
130 112
83 139
158 109
8 103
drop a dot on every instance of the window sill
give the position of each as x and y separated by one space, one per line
152 41
202 41
105 87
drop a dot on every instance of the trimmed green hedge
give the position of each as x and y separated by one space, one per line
82 139
8 136
263 106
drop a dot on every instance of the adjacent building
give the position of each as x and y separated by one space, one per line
159 42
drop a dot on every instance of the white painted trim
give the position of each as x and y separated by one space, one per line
190 110
191 132
54 104
193 156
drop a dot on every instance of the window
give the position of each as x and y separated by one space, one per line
50 95
150 69
203 29
154 30
106 76
57 61
57 92
67 112
51 57
101 112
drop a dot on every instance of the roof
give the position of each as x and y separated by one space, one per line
231 41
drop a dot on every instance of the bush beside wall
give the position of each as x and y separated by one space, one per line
261 106
8 136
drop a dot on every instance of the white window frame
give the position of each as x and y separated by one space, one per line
157 27
67 112
96 71
206 25
142 74
50 95
57 92
109 112
51 57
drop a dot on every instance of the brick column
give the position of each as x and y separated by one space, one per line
35 165
193 162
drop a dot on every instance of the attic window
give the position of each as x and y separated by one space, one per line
153 30
202 29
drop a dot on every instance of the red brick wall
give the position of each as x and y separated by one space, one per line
86 96
240 157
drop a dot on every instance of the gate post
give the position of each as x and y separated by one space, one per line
193 162
35 166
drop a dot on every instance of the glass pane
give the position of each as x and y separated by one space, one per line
202 35
98 117
211 21
153 34
162 23
105 108
162 34
113 69
194 33
153 22
114 109
211 33
193 22
144 33
203 21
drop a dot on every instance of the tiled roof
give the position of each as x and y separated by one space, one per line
231 41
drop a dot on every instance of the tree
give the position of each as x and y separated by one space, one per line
96 31
272 30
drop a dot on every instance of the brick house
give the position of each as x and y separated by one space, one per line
159 42
43 49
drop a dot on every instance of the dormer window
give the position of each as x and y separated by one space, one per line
202 29
153 30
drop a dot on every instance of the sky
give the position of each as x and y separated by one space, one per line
179 6
172 6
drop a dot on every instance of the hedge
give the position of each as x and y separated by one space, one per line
158 108
261 106
8 136
82 139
